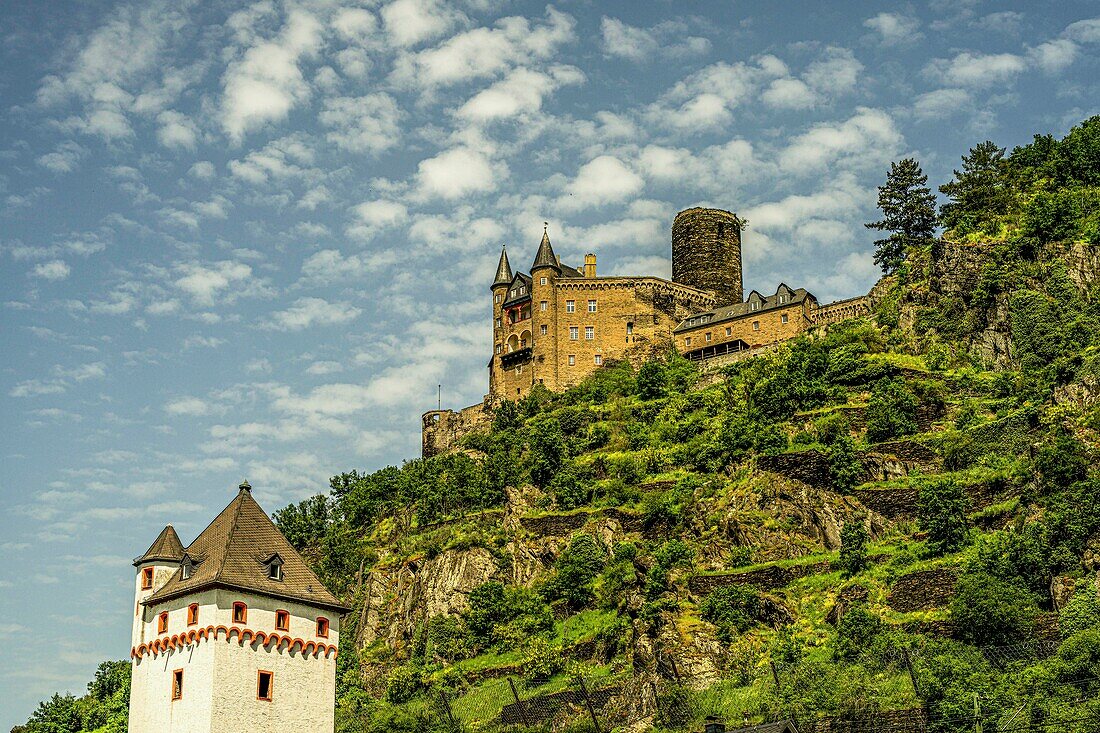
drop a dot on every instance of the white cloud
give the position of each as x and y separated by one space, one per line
835 72
84 372
1084 31
287 157
894 28
307 312
705 99
203 170
978 70
369 124
53 270
331 265
188 406
789 94
64 159
372 217
941 103
459 230
355 25
410 22
868 138
35 387
602 180
266 82
519 93
321 368
458 172
641 44
206 283
722 169
176 130
1054 56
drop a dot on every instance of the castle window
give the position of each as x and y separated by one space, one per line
499 323
543 305
687 342
570 306
177 685
755 305
264 685
519 370
162 623
146 578
186 568
729 331
240 613
629 329
572 360
543 330
721 229
783 318
598 359
756 325
589 333
707 338
591 306
574 333
542 281
523 290
192 614
322 627
782 298
282 620
496 298
499 348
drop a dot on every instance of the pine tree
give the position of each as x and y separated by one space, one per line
908 213
979 192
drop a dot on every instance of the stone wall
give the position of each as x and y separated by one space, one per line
767 578
912 720
443 429
841 310
706 252
923 590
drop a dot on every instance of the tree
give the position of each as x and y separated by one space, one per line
978 193
575 572
891 412
942 515
853 546
986 610
908 213
652 380
547 450
304 524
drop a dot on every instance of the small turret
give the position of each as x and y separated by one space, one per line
590 265
504 270
154 568
545 257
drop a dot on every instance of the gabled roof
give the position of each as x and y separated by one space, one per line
504 269
790 296
166 546
545 257
233 551
519 279
778 726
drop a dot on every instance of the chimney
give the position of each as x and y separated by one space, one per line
590 265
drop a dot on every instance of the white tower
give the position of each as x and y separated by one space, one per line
232 634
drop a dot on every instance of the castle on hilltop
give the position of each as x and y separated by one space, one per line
233 633
556 324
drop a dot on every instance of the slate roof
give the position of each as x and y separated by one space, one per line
778 726
232 552
166 546
504 269
795 296
545 257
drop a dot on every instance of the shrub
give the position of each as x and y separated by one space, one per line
671 555
547 450
856 631
845 467
542 659
575 572
1061 461
942 511
402 684
989 611
1082 613
892 411
733 609
853 547
652 380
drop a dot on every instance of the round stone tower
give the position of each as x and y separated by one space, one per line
706 252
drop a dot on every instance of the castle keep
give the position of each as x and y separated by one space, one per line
555 324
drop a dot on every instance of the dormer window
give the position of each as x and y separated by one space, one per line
274 566
146 578
187 567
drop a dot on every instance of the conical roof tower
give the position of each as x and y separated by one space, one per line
545 257
504 270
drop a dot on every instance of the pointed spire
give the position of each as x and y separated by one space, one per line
504 270
545 257
166 547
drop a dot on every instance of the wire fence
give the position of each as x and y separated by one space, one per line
886 698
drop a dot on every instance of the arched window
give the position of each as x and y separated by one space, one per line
322 627
162 623
146 578
240 613
192 614
282 620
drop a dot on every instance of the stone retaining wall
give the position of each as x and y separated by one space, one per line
923 590
767 578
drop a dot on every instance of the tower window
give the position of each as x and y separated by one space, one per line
162 623
186 568
598 359
570 306
543 305
146 578
275 568
687 342
282 620
496 298
543 330
499 348
574 333
729 331
542 281
192 614
783 318
572 360
240 613
756 325
177 685
721 229
591 306
322 627
264 684
629 329
589 333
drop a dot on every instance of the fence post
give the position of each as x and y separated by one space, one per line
912 673
519 704
775 673
588 702
443 699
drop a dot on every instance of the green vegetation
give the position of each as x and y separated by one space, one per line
951 434
103 710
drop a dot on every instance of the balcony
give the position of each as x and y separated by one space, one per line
515 358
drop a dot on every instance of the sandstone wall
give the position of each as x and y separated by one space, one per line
443 429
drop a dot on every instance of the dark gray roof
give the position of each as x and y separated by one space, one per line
545 257
504 269
166 546
791 296
233 552
778 726
519 278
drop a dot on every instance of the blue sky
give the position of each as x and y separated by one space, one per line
249 239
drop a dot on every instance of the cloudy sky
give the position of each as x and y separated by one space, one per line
249 239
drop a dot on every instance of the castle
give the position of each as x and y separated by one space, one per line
233 633
556 324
